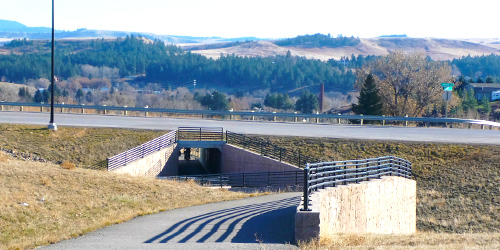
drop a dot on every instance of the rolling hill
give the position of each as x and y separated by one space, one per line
437 49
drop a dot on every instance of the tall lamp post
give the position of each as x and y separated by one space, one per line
52 125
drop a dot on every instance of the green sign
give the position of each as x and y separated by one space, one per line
448 88
445 84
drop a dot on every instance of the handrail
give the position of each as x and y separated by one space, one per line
140 151
264 114
268 149
330 174
200 133
250 179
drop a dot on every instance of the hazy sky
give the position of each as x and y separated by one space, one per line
266 18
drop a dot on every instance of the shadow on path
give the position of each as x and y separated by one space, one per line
269 222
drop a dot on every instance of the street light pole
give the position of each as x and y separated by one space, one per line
52 125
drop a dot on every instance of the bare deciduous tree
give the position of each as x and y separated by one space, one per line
408 83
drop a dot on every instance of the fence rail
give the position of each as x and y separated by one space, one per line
200 134
295 116
138 152
330 174
267 149
257 179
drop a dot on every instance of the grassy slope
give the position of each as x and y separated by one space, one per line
82 146
457 185
66 203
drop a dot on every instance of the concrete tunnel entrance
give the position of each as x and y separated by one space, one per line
197 158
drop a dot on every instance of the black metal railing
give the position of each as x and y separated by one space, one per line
200 134
330 174
138 152
257 179
268 149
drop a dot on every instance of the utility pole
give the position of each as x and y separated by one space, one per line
52 125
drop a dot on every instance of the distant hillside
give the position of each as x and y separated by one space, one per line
14 30
437 49
16 27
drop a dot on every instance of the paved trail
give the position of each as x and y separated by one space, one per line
264 222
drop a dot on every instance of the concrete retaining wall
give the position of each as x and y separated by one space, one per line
164 162
381 206
238 160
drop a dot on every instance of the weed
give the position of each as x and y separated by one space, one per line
68 165
45 181
3 157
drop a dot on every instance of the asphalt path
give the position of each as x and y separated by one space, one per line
263 222
389 133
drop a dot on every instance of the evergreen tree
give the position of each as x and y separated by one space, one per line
489 79
485 102
46 96
88 97
79 95
24 94
469 100
38 97
369 101
307 102
215 101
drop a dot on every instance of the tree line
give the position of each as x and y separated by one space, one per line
319 40
169 65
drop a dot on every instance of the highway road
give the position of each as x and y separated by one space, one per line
415 134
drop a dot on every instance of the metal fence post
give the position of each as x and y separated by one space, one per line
243 180
306 189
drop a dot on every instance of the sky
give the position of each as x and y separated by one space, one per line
265 18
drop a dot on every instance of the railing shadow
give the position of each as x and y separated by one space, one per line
267 222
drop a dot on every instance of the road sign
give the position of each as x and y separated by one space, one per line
447 95
445 84
448 89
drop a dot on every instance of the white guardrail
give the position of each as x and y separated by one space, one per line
230 114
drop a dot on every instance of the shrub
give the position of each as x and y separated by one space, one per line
68 165
3 157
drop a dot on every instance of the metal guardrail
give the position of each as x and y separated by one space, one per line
200 134
267 149
257 179
138 152
330 174
295 116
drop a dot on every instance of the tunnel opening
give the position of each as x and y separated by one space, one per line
199 161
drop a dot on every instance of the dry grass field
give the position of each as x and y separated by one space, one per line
82 146
458 192
44 203
437 49
427 240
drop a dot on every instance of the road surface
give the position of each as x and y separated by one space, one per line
264 222
420 134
